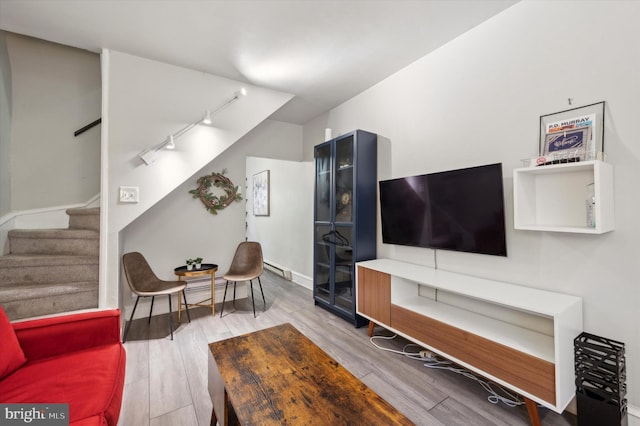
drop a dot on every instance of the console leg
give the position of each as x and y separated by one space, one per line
371 325
532 409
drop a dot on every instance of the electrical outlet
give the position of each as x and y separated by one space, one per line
129 194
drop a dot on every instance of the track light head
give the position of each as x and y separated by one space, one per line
148 156
171 143
207 118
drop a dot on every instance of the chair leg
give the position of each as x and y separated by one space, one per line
151 309
186 306
264 302
126 330
170 317
253 300
224 298
234 293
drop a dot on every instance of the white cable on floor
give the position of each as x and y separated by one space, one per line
494 397
437 362
414 355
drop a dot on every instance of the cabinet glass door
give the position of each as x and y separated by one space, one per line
343 267
322 267
323 183
344 180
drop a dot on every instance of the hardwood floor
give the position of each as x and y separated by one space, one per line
166 381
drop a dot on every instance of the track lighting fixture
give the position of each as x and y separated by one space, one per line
148 156
236 95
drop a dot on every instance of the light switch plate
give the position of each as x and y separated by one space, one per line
129 194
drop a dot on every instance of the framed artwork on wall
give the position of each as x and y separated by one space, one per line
261 193
573 135
569 144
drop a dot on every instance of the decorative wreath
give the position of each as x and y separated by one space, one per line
213 203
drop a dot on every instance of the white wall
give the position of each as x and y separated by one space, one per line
148 100
478 99
286 235
179 227
55 91
5 129
144 102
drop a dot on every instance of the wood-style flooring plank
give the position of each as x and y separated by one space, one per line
457 414
194 357
184 416
168 386
135 403
212 327
137 367
402 399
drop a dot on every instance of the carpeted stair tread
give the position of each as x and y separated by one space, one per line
21 301
46 269
84 211
27 291
26 260
62 233
54 241
84 218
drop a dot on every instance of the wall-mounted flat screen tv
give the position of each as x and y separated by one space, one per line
460 210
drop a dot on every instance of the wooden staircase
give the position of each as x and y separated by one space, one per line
49 271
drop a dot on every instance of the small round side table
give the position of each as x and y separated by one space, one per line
204 269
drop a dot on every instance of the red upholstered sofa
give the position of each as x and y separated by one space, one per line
76 359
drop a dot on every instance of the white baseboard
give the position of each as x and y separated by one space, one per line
302 280
276 268
35 217
633 415
288 274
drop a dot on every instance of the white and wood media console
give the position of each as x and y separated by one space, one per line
519 337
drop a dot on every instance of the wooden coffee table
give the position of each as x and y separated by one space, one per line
278 376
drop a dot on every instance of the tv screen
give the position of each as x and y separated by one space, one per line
460 210
404 210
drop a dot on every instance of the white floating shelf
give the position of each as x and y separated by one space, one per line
553 198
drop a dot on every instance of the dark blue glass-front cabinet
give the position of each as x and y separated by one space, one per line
344 219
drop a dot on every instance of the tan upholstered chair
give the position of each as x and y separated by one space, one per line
247 265
144 283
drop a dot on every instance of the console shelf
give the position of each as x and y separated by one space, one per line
552 198
518 336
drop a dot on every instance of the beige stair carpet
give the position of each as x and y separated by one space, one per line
51 271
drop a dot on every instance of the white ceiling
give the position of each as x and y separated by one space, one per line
323 51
